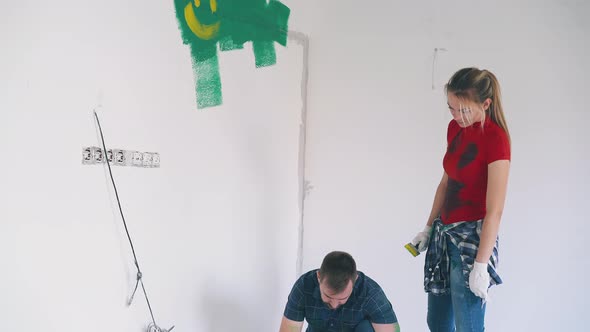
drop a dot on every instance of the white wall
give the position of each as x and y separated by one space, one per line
215 228
377 137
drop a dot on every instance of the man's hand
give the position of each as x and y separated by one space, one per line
288 325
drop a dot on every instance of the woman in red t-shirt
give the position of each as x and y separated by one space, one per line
461 234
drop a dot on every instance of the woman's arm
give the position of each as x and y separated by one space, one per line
439 199
495 197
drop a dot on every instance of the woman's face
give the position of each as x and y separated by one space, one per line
463 111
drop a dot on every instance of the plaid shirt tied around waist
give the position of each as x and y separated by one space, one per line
465 236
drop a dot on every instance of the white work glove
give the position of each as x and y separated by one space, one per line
421 239
479 280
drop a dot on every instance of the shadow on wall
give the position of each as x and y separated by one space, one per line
247 303
224 313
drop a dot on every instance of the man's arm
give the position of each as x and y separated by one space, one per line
288 325
385 327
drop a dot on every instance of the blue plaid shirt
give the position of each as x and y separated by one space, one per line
367 302
464 235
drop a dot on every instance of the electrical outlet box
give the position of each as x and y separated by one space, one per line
97 155
137 158
93 155
87 158
155 159
147 159
119 157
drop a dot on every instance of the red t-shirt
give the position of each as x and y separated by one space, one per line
469 152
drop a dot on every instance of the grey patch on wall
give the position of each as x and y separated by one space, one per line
304 185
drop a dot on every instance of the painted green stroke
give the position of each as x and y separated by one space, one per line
206 25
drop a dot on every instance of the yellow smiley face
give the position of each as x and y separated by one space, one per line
203 31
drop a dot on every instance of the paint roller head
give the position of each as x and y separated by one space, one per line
412 249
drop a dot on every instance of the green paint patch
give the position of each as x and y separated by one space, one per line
206 25
264 53
208 83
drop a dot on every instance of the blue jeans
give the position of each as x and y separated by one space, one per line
461 309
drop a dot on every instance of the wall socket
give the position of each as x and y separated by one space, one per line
94 155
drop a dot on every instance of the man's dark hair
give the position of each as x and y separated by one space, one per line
337 269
